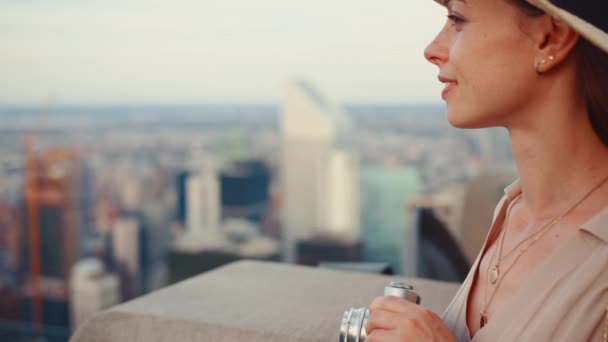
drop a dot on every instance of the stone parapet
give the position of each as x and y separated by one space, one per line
251 301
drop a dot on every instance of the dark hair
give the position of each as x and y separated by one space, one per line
592 65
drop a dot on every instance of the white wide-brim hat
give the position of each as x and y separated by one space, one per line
587 17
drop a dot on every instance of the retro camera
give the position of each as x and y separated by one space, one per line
352 328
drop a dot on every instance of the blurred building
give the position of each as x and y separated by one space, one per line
92 290
157 214
128 240
319 171
10 309
86 200
452 224
494 147
180 189
322 249
272 224
239 239
480 199
9 229
386 227
203 202
50 243
221 211
245 188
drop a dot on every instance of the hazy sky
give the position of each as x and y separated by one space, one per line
197 51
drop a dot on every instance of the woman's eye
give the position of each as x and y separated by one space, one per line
455 19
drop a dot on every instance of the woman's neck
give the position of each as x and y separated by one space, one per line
559 160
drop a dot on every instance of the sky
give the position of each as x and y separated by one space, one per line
215 51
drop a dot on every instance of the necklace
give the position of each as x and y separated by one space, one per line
494 274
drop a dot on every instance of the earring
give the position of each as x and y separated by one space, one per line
542 62
538 64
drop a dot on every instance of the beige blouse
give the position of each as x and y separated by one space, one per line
566 299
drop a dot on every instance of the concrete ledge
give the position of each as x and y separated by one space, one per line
252 301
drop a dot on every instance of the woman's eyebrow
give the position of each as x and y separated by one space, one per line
448 2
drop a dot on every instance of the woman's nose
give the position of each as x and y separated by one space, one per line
436 52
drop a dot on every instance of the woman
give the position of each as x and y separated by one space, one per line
540 69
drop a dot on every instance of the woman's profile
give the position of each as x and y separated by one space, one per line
539 68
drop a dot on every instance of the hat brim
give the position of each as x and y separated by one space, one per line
593 34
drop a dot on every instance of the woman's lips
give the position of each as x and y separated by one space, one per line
449 85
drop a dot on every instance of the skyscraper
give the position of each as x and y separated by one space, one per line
385 225
180 189
128 254
319 171
49 246
92 290
203 202
245 190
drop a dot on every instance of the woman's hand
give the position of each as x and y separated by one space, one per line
392 319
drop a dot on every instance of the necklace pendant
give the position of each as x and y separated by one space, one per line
493 277
483 320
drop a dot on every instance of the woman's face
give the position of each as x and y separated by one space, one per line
485 56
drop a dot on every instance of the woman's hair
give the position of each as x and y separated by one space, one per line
592 66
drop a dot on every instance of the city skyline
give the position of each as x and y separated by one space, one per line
137 182
215 51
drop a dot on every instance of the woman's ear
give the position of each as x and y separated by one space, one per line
554 42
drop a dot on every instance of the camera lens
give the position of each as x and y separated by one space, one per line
402 290
352 328
353 324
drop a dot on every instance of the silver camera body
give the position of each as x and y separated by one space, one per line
352 328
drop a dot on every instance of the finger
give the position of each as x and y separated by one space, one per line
399 327
380 335
393 304
380 319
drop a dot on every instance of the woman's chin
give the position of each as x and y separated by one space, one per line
461 119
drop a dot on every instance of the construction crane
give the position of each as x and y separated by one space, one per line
33 224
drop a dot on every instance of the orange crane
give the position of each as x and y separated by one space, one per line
33 223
